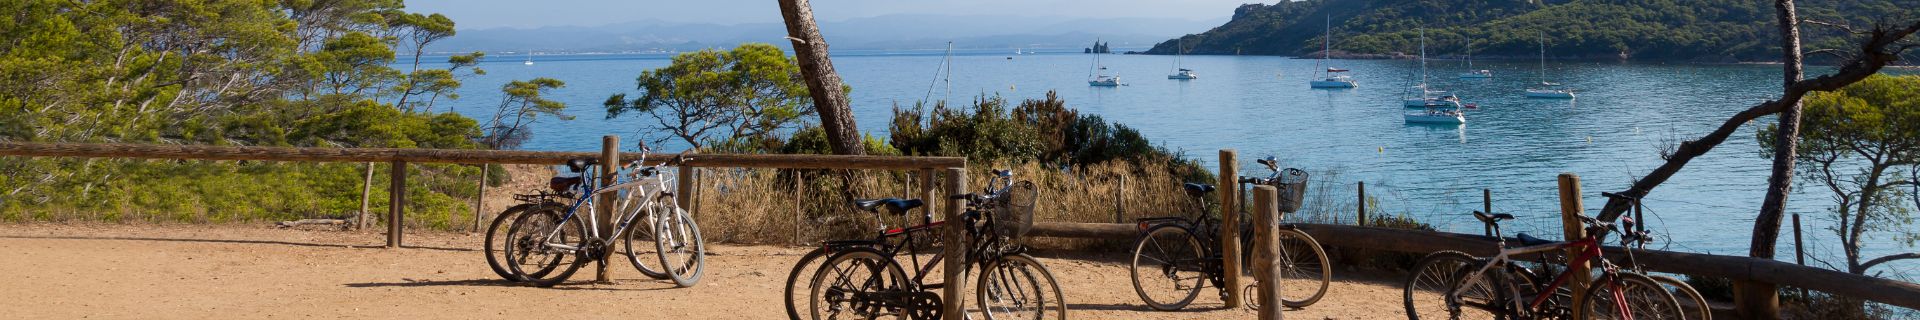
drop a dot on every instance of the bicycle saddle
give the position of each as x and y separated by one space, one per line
1491 218
1198 189
894 206
580 164
1529 240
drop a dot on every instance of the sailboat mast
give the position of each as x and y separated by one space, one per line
948 66
1543 58
1423 61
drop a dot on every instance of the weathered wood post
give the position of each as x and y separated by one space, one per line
1267 217
1230 223
1486 205
366 195
479 199
686 188
1570 211
928 191
1120 200
1799 249
1363 206
396 203
609 171
956 244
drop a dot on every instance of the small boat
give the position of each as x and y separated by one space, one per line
529 58
1181 73
1098 76
1184 74
1440 113
1331 80
1547 90
1427 96
1472 73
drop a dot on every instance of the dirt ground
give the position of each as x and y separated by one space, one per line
197 271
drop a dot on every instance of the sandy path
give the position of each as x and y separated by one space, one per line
196 272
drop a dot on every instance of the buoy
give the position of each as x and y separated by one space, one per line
1589 139
1381 150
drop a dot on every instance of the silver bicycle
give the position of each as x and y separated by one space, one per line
546 245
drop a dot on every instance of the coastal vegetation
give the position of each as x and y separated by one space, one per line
1685 30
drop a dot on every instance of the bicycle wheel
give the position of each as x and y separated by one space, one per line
497 242
808 262
1426 291
544 244
1627 296
1018 287
1692 304
1304 275
682 252
1167 267
639 241
848 285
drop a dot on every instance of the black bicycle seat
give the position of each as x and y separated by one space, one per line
894 206
1198 189
1529 240
1491 218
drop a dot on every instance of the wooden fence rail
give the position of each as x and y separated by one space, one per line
201 152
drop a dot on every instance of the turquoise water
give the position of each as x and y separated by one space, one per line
1261 106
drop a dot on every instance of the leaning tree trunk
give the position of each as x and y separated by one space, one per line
1758 300
828 98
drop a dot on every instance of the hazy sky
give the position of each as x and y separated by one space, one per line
482 14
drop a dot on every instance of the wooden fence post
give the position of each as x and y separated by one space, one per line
396 204
1363 205
479 200
1486 205
366 195
1266 218
928 191
1120 200
609 171
956 244
1570 209
1230 224
1799 251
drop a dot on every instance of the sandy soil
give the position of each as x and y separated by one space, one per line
196 272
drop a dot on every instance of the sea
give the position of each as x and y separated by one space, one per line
1511 147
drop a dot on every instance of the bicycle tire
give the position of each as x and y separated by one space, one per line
1295 246
1646 299
543 278
794 276
642 229
496 251
677 233
1685 294
1034 273
1430 280
872 262
1170 269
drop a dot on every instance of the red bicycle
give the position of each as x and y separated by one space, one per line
1455 285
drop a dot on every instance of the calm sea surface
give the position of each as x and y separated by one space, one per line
1261 106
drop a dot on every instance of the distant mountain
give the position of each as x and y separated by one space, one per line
1693 30
880 32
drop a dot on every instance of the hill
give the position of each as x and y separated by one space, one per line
1687 30
901 31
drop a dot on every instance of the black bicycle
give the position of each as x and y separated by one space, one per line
865 278
1175 257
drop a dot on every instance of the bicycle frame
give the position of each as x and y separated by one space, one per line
1589 251
639 184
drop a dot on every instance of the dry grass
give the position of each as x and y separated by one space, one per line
789 206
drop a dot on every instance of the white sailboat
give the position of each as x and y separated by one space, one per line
1471 72
1547 90
1427 96
1332 79
1098 76
1438 115
1180 71
529 58
1442 109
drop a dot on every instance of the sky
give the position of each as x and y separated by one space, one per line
488 14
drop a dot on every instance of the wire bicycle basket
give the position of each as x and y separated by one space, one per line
1013 210
1292 184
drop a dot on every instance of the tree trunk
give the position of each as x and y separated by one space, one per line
836 116
1762 300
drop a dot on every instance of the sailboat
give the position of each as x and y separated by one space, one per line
1547 90
1098 76
1471 72
1181 72
1444 109
529 58
1332 79
1427 96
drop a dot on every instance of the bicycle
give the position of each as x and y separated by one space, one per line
1187 250
540 240
1472 291
1634 236
864 278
